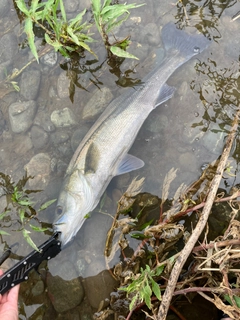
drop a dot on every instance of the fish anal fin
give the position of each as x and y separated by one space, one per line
165 93
129 163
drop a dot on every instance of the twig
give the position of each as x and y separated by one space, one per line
219 244
167 297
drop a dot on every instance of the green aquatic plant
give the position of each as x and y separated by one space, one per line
65 36
72 35
107 17
18 200
143 286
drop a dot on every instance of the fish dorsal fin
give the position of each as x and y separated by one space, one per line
92 159
129 163
166 92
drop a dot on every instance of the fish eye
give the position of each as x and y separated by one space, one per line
59 210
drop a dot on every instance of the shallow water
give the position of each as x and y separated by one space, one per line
186 133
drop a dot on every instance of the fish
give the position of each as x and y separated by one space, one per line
103 152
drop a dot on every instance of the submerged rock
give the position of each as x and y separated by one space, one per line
64 295
29 84
99 287
21 115
39 167
63 84
97 103
39 137
63 118
8 47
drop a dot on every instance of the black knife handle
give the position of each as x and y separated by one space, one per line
19 272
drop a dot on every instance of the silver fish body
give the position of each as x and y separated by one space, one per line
103 153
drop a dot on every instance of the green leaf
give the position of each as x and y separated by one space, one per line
30 35
22 6
96 6
156 289
147 292
159 270
25 202
63 11
132 304
121 53
4 233
77 19
46 204
29 240
21 215
3 214
38 229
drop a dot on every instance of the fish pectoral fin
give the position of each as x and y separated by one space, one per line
165 93
92 159
129 163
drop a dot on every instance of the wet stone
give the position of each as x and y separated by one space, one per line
99 287
42 119
63 84
2 122
64 295
4 7
97 103
21 115
63 118
50 58
38 288
71 5
39 167
4 68
150 34
78 135
39 137
188 161
8 47
157 124
29 84
59 137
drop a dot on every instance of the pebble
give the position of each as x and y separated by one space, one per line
39 137
63 84
71 6
21 115
99 287
63 118
64 295
39 167
8 47
97 103
29 84
50 58
42 119
4 7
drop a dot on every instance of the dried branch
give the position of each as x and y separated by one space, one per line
167 297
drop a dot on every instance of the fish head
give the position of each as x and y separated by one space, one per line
74 203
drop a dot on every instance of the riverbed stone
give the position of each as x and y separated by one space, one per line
39 137
39 167
78 135
97 103
63 118
64 295
43 120
29 84
8 47
99 287
4 7
50 58
63 84
21 115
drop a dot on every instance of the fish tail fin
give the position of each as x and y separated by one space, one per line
188 44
